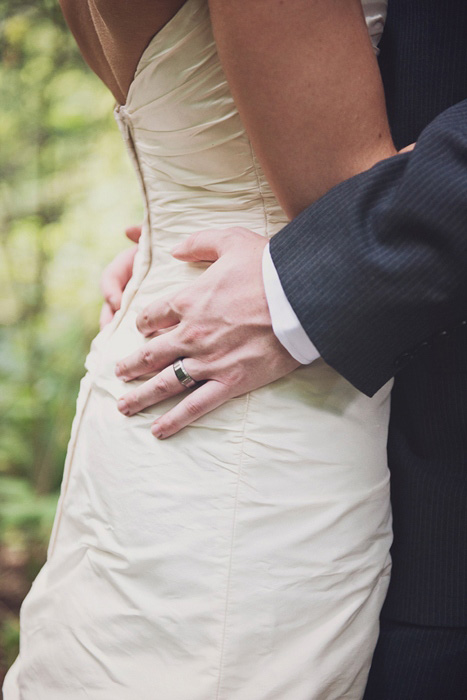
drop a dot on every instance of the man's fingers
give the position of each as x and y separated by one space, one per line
202 246
157 316
161 387
205 246
202 400
154 356
133 233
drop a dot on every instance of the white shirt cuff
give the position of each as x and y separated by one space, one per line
285 324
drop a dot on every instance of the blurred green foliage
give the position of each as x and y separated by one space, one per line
66 195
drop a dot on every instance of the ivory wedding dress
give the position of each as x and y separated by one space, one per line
247 557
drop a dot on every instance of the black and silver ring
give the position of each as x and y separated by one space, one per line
182 375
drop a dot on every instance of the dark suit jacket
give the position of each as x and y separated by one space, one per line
377 273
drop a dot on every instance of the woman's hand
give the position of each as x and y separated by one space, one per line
116 276
315 112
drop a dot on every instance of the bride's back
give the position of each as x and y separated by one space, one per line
195 163
112 34
193 153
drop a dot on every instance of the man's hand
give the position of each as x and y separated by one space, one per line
116 276
221 327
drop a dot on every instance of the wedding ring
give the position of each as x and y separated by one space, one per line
182 375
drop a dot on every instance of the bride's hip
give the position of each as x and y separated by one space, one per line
311 424
281 457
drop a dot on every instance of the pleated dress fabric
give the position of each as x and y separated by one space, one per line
247 557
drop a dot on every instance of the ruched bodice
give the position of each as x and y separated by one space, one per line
184 133
193 153
195 164
194 161
191 148
247 557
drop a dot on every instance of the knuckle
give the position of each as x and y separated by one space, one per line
146 358
232 235
233 378
192 334
193 407
195 239
179 302
142 320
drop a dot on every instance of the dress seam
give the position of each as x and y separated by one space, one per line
242 453
127 130
232 541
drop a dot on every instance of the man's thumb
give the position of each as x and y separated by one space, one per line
203 246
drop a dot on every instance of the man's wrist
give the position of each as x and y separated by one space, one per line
285 323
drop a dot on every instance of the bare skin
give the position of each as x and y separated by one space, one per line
112 35
118 273
307 85
200 332
321 127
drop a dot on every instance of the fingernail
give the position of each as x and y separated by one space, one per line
114 303
123 407
178 249
156 431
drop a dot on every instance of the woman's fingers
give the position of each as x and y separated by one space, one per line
133 233
205 398
114 279
112 288
116 276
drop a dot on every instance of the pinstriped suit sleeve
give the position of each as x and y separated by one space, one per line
378 265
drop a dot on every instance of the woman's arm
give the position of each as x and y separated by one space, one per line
306 82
